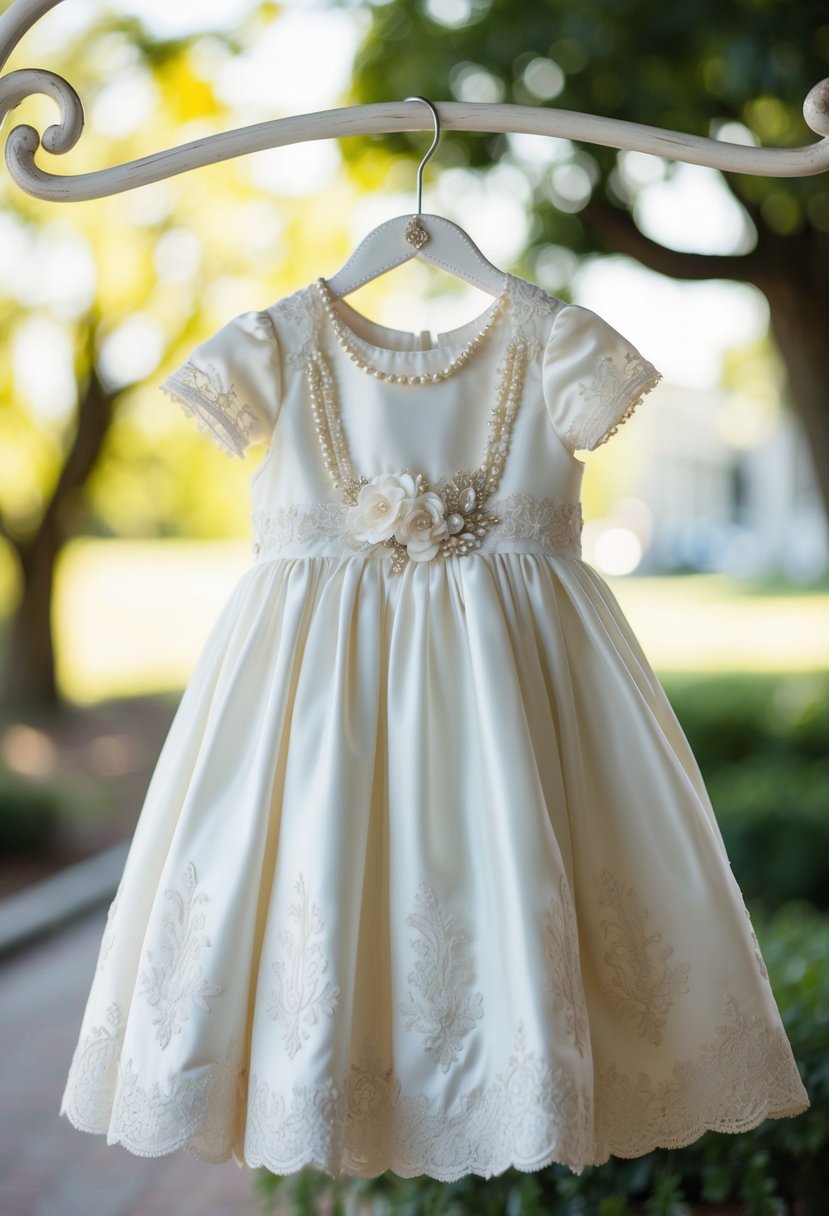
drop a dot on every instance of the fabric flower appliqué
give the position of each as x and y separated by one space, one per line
399 510
380 507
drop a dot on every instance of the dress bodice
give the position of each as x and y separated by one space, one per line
251 382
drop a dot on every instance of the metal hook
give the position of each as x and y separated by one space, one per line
431 150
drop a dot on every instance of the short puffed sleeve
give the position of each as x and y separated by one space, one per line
592 378
231 383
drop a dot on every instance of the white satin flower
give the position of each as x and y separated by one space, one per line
380 506
422 526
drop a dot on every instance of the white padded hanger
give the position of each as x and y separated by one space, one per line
437 240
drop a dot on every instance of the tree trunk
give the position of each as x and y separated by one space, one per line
29 677
798 322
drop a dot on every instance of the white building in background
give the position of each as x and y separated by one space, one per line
717 492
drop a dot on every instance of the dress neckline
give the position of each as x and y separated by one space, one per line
387 343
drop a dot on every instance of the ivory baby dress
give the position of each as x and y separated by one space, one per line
426 878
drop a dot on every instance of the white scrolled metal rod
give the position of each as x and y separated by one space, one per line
24 141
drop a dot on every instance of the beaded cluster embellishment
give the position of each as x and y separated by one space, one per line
415 233
416 522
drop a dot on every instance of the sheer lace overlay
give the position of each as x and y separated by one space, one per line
217 386
212 403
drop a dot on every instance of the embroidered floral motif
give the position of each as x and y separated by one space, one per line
372 1091
740 1077
109 931
297 523
644 983
176 980
564 980
297 997
603 394
446 1013
535 1094
87 1098
552 522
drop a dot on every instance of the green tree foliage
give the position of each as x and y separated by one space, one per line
737 70
106 297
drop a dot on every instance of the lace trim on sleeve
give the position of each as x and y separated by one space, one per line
601 420
216 411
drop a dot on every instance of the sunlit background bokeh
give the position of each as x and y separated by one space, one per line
714 477
704 513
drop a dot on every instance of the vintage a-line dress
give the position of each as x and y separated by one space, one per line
426 878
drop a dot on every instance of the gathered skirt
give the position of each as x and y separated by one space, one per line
426 880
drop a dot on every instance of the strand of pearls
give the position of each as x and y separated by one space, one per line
328 426
510 383
336 455
346 342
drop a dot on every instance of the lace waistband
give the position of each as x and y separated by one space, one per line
527 524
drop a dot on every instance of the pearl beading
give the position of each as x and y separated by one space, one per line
347 343
463 493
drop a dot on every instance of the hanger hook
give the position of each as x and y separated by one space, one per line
431 150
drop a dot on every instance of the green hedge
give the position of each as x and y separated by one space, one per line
779 1168
731 717
762 743
774 817
29 815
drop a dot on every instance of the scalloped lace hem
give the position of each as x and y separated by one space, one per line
550 1157
430 1169
531 1114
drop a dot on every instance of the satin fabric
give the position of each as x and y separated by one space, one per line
426 878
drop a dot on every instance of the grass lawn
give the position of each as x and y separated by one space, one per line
131 617
715 623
